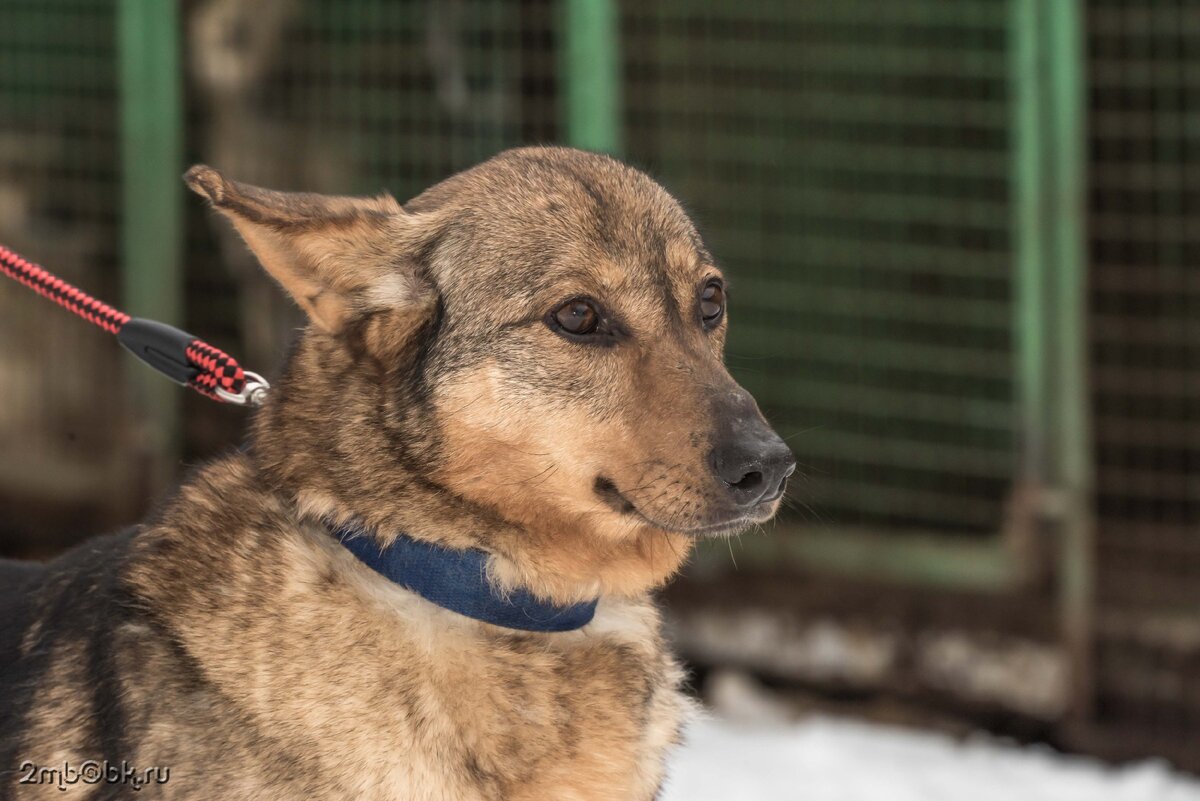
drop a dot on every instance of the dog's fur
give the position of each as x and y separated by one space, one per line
232 640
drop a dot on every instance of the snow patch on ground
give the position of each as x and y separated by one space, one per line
822 759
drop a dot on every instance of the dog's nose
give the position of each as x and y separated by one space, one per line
754 469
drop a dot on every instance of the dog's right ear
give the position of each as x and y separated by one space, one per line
340 258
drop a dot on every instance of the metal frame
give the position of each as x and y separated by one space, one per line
150 89
1071 460
592 120
1030 202
591 69
1052 477
1052 483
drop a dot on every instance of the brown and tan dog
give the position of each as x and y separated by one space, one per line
526 360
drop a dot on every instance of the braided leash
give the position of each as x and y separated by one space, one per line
177 354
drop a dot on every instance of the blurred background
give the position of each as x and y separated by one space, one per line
967 265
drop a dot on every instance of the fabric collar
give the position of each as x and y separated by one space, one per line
457 580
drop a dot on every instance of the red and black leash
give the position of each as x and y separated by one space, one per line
183 358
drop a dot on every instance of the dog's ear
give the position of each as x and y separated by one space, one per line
343 259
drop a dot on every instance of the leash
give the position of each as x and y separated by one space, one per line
181 357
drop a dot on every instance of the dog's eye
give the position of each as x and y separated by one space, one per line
577 317
712 303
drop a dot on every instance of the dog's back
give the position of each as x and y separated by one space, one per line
73 599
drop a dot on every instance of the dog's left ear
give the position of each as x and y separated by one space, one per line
349 262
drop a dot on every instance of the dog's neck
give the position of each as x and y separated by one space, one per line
458 580
332 442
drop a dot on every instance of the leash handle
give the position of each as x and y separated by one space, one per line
181 357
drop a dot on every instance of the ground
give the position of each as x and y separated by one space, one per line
826 759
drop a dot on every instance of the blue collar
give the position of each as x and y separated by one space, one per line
457 580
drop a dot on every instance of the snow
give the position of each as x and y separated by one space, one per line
824 759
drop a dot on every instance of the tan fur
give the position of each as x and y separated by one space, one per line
256 657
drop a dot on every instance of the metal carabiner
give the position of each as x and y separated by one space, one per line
253 393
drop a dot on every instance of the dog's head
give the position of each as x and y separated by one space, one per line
538 340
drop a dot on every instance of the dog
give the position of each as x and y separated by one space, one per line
428 573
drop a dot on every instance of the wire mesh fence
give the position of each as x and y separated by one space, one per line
850 163
1144 74
60 432
344 98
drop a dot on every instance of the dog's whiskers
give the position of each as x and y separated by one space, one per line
551 470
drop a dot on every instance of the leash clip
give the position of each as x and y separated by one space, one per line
181 357
192 362
253 393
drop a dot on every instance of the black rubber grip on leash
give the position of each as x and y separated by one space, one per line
162 346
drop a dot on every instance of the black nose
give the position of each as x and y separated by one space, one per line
754 469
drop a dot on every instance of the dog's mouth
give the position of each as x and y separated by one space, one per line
612 496
607 490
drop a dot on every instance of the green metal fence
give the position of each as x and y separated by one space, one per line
344 98
59 203
877 178
852 164
1144 74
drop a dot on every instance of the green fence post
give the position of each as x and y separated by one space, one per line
591 75
1029 244
151 203
1072 462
